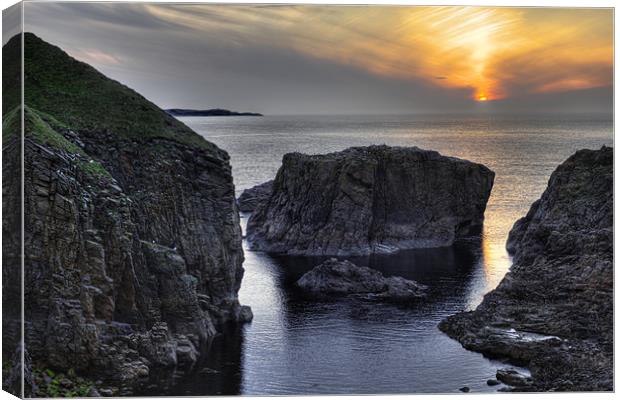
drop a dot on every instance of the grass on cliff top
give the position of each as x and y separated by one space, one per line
42 128
84 99
11 124
41 131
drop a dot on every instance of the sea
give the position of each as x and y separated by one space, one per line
295 346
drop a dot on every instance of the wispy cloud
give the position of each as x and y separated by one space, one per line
94 56
490 51
330 59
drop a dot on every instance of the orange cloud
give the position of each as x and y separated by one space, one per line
492 52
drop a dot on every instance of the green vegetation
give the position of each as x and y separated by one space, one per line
84 99
11 125
11 74
94 168
43 133
42 128
52 384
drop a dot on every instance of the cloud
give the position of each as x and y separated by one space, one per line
480 49
422 57
94 56
11 22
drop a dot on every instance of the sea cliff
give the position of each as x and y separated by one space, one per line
553 311
133 255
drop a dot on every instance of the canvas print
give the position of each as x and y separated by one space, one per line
215 199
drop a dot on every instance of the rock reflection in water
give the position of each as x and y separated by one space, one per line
346 344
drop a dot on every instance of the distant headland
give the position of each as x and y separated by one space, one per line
215 112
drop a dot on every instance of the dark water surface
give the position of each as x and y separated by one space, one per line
297 346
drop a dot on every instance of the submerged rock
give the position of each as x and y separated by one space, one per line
365 200
252 197
553 311
334 277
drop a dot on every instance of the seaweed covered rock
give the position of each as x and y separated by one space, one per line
554 309
366 200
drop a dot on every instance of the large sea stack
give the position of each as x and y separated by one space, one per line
133 253
365 200
554 310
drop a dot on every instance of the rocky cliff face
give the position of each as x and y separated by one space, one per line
554 310
370 200
133 245
249 200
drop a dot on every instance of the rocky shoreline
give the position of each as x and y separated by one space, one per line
553 311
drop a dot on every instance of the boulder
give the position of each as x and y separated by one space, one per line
513 378
252 197
366 200
553 311
334 277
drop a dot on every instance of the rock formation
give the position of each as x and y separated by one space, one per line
250 198
554 310
214 112
133 255
334 277
365 200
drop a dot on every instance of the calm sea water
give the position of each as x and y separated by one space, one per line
296 346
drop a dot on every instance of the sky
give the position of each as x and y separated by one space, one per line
343 59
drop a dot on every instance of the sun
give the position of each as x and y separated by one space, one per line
482 97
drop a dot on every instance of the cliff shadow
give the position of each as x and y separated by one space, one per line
218 371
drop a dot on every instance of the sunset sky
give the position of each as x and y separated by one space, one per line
343 59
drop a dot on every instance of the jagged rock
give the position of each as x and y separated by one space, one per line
493 382
513 378
245 314
252 197
365 200
554 309
133 254
334 277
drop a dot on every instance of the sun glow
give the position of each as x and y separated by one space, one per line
487 53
